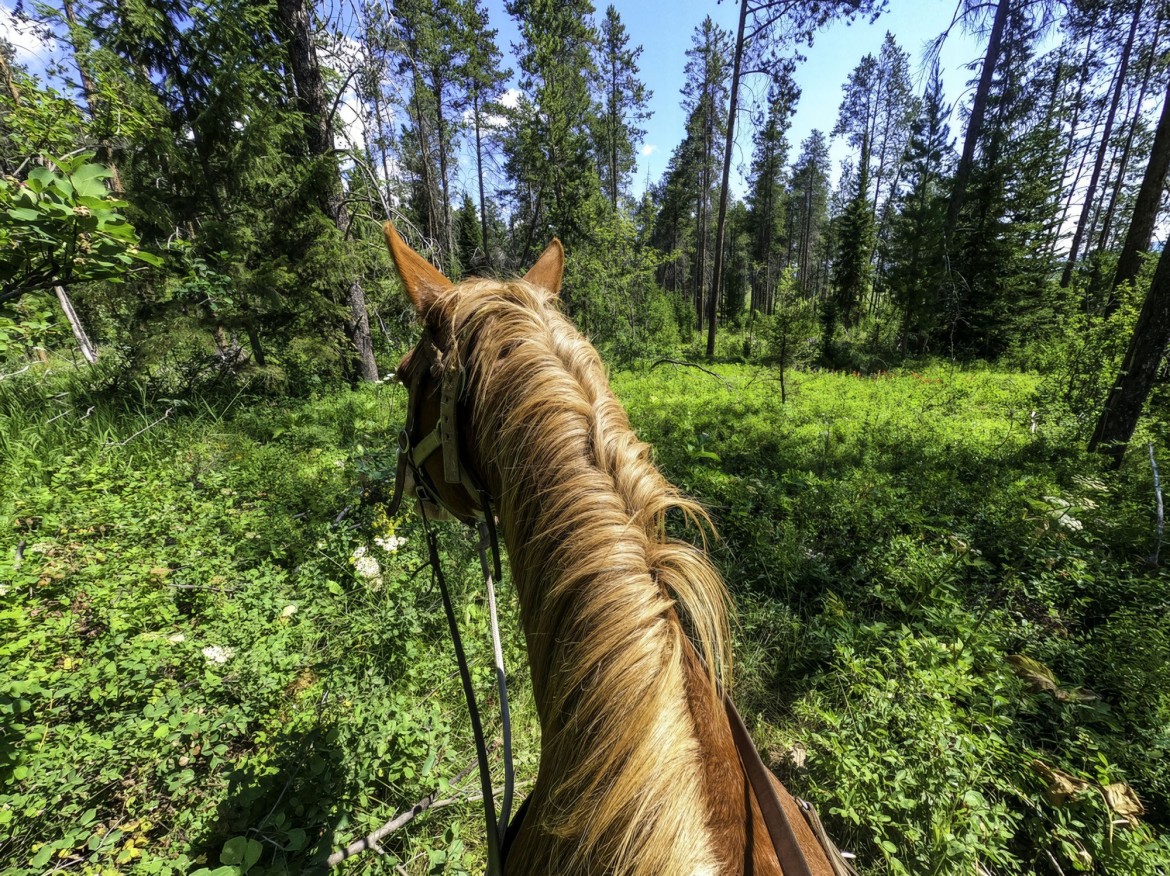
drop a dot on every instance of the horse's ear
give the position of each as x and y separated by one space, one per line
547 271
420 278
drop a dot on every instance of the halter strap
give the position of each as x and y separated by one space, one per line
444 438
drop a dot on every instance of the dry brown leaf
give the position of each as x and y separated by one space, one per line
1038 676
1076 695
1062 786
1122 799
1041 679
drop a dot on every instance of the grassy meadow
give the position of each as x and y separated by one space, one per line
218 654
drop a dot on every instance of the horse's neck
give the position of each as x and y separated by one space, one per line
590 605
621 762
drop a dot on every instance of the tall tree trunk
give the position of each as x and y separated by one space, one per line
1084 219
1082 80
424 157
1123 163
445 205
1145 208
978 111
728 145
1147 346
314 103
483 222
613 133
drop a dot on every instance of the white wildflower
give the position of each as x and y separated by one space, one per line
391 544
1060 513
289 611
177 639
358 553
219 654
367 567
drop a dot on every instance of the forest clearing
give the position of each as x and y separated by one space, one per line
192 614
905 339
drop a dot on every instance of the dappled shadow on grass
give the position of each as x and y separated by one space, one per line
289 801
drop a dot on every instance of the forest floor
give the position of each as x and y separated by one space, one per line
219 653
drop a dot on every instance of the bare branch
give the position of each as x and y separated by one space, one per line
727 383
404 818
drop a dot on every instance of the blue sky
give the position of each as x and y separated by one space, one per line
664 31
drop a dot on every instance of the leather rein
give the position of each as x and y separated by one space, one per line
444 439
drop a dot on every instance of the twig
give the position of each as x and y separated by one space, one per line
14 373
166 415
1161 526
727 383
18 559
402 819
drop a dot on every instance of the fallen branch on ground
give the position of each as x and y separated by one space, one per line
372 840
727 383
166 415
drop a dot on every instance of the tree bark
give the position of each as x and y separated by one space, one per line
314 104
1147 347
721 221
483 221
1084 219
978 111
88 350
1145 209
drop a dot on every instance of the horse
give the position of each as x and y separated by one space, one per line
627 629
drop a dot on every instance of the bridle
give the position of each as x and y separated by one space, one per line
444 439
412 457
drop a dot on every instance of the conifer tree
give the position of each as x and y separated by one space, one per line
917 246
484 79
547 149
767 191
808 211
705 99
624 102
1000 259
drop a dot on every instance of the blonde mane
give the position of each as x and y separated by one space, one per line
604 593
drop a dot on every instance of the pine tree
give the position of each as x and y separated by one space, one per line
547 149
856 236
624 102
468 242
808 203
483 79
917 245
1000 258
705 99
767 191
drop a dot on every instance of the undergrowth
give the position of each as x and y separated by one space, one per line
216 654
219 655
951 634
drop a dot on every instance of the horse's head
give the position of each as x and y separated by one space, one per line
439 464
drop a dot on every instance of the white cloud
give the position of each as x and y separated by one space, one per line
34 48
510 98
649 149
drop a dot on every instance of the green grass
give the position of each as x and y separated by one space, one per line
195 669
890 541
196 673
